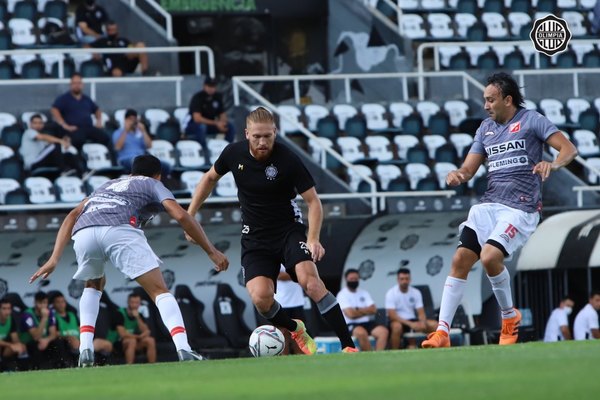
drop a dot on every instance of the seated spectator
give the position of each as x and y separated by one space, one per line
133 140
557 327
404 305
359 310
73 110
10 345
133 331
40 149
208 117
39 334
89 19
586 321
119 64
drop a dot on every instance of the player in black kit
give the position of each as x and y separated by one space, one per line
268 176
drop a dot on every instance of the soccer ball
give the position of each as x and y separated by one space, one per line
266 341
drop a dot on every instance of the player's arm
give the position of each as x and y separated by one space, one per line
315 220
203 190
62 238
52 333
566 332
393 316
195 231
369 310
566 153
123 333
352 312
87 30
467 170
421 315
143 327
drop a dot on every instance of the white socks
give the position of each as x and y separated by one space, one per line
89 306
451 298
501 288
171 316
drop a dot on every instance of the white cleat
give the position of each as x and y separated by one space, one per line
185 355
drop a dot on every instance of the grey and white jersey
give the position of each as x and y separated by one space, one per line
512 150
131 200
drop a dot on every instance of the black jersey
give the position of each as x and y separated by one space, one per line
266 189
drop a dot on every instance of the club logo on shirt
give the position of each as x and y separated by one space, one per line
514 128
271 172
489 133
241 167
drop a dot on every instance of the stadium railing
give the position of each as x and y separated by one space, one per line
161 11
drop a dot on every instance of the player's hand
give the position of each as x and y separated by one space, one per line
455 178
44 271
543 168
45 312
317 250
220 260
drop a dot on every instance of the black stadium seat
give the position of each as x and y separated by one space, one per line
229 316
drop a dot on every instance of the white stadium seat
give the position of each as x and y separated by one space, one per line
375 116
70 189
315 112
164 151
191 154
343 112
379 147
40 190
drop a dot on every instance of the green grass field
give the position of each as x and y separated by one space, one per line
567 370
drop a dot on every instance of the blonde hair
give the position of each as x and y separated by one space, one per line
260 115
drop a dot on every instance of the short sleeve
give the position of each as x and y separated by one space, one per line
418 299
593 317
477 146
303 180
542 126
162 193
221 165
343 300
562 318
59 103
27 322
368 299
389 300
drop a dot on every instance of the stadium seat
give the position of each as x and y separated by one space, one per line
190 180
47 27
98 159
375 115
164 151
327 127
356 127
446 53
418 154
343 112
457 110
7 185
441 170
399 111
488 61
439 124
530 105
21 59
426 109
49 61
215 148
316 149
22 32
181 114
94 182
80 58
18 196
68 67
413 26
191 154
493 6
591 176
581 49
461 141
528 52
553 110
155 116
546 6
350 148
576 23
5 40
400 184
514 60
6 152
410 4
26 116
355 175
289 119
70 189
11 137
428 183
34 69
440 25
168 131
502 50
446 153
432 142
25 9
587 4
589 119
467 6
103 116
415 172
463 22
379 147
54 9
477 32
403 143
460 61
6 119
387 173
433 4
576 106
586 142
314 113
40 190
3 11
91 69
566 59
12 168
517 20
226 186
475 52
470 125
228 309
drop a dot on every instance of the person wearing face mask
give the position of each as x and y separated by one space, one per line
359 310
119 64
557 327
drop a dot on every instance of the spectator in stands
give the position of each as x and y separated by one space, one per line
269 175
405 310
40 149
586 321
133 140
73 110
89 19
10 345
359 311
557 327
119 64
134 200
133 331
208 116
512 139
38 332
291 297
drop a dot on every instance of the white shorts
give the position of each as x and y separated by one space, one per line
506 225
125 246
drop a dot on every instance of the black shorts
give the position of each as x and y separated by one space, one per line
263 257
369 326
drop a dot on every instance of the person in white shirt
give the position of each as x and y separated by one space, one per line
404 305
359 310
291 297
557 327
586 321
